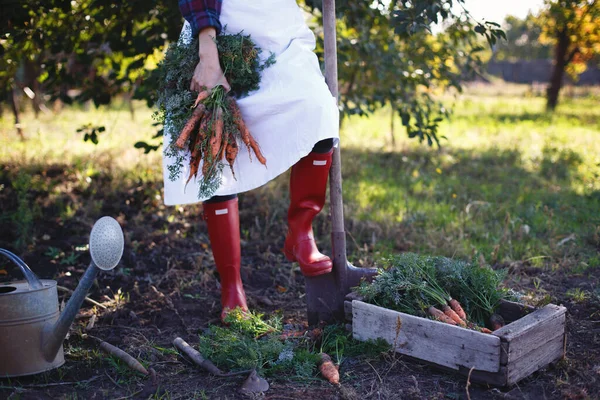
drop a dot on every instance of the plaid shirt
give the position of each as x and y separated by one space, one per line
201 14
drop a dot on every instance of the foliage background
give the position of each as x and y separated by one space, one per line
78 51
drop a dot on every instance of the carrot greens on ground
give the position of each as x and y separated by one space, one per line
278 349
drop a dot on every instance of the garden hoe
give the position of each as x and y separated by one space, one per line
325 294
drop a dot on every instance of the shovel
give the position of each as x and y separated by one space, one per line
325 293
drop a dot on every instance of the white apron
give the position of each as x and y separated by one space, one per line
290 112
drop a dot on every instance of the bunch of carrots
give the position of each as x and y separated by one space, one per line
451 311
421 285
210 128
211 133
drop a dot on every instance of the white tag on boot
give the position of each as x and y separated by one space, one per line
320 162
222 212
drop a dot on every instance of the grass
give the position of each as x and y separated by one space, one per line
511 182
512 185
578 295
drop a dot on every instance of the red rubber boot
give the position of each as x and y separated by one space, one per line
223 223
308 185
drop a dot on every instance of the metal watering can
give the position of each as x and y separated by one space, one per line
32 329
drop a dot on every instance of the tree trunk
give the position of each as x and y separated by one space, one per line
15 109
393 114
129 100
37 98
31 80
560 62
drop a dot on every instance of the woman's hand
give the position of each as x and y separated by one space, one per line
208 73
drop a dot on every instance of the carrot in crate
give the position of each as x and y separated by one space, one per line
455 317
458 309
440 316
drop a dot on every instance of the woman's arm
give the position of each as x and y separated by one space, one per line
208 73
203 16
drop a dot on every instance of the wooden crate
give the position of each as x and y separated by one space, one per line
531 339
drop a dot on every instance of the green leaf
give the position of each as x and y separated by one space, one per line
480 29
492 23
146 147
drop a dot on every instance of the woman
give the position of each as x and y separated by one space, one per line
293 117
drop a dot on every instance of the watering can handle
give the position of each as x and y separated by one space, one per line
34 282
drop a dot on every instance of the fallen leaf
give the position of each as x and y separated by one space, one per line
281 289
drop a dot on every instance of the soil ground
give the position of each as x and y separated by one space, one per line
165 287
513 187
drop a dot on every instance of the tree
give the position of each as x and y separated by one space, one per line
522 40
387 55
98 47
573 27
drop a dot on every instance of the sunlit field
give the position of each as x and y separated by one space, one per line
510 182
512 187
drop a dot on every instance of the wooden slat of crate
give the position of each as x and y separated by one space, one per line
533 341
348 310
429 340
511 311
533 330
536 359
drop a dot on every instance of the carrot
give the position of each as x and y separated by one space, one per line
247 138
452 314
197 150
123 356
224 141
217 138
440 316
203 95
458 309
255 147
207 162
477 328
187 130
496 322
231 152
328 369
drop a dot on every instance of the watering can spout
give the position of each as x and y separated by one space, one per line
54 335
106 248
